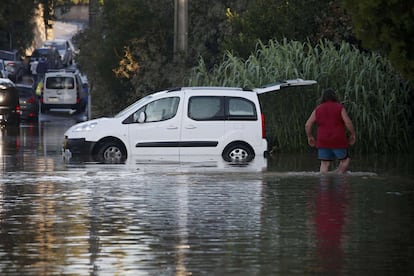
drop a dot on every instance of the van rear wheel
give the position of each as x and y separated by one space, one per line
238 153
111 152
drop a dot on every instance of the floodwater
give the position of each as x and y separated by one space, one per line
276 217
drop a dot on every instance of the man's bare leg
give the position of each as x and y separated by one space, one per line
343 165
324 166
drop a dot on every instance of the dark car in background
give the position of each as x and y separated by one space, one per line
50 54
9 103
29 102
64 47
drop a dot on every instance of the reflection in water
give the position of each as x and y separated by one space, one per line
330 207
189 218
9 147
183 247
32 147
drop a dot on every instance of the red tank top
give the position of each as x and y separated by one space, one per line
331 128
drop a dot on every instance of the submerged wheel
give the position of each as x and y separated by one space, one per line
238 153
111 152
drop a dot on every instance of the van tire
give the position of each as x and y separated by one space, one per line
111 152
238 152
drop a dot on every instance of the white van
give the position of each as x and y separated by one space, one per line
216 121
62 89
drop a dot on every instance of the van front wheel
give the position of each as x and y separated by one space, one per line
238 153
111 152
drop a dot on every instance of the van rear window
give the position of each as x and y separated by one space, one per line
60 83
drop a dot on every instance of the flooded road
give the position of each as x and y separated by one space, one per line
155 218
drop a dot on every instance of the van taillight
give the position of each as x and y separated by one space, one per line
263 127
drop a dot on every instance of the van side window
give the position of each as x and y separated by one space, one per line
159 110
241 109
203 108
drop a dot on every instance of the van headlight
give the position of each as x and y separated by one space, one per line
85 127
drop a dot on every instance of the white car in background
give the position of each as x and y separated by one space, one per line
63 89
65 48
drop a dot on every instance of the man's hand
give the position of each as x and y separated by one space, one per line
311 141
352 139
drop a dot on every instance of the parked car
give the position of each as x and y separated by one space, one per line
3 72
50 54
218 121
13 67
63 89
29 102
9 103
65 49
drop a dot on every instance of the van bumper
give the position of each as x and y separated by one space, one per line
60 106
78 146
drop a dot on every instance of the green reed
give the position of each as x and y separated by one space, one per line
374 95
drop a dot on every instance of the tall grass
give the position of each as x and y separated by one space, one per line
372 92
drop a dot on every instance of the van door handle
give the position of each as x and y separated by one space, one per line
172 127
190 127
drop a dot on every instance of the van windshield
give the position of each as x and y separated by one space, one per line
60 83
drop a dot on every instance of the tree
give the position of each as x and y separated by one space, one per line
126 50
16 24
129 51
388 27
270 19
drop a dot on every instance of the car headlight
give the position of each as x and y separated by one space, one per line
85 127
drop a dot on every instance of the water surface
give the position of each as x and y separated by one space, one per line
139 218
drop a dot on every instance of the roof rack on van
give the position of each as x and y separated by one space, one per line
216 88
208 88
173 89
62 70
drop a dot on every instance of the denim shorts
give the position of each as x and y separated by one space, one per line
331 154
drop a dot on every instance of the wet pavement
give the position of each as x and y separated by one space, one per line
275 217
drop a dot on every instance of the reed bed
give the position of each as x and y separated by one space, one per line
374 95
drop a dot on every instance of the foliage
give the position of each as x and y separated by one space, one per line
375 98
208 28
386 26
295 19
138 34
117 39
16 25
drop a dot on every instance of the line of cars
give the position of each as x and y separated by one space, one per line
17 102
60 89
58 86
11 66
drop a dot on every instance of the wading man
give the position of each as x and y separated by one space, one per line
332 142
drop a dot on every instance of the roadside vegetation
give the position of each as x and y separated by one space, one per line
367 85
360 48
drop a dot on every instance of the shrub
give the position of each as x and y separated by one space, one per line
375 96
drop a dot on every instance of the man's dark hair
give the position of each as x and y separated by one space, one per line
329 95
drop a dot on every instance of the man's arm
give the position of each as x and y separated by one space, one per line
349 126
308 128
